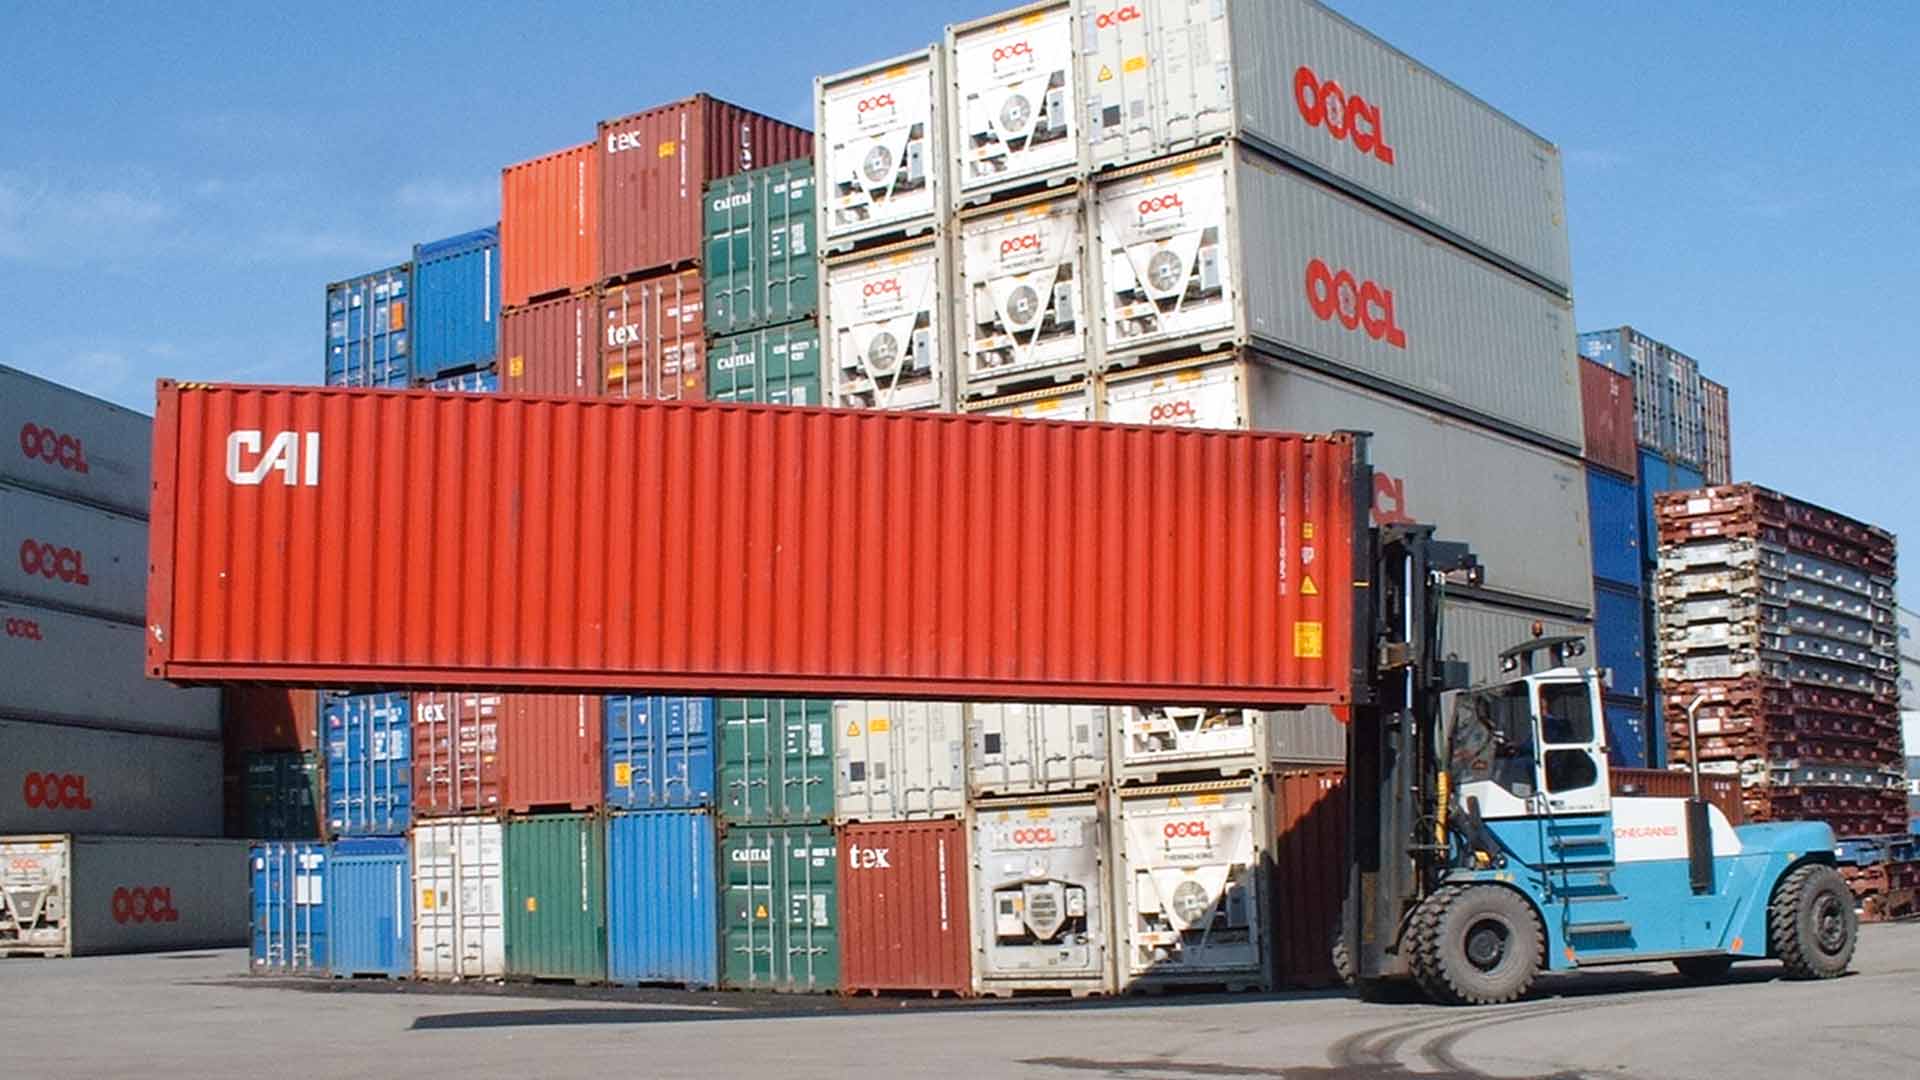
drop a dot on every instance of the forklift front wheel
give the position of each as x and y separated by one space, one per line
1475 945
1811 922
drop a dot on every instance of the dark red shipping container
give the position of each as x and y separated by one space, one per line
550 225
654 165
1722 791
256 718
904 907
750 550
653 338
550 348
1309 873
456 753
1606 400
487 753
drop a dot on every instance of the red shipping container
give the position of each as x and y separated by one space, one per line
748 550
487 753
1309 873
654 165
653 338
550 225
550 348
553 752
257 718
456 753
1606 400
904 907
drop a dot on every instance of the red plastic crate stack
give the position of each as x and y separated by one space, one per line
1777 618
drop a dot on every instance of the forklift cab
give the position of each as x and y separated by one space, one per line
1533 745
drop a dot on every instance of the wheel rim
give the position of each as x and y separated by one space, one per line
1487 942
1829 924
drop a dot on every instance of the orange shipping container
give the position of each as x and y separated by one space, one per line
550 348
550 225
653 338
750 550
487 753
904 907
1606 402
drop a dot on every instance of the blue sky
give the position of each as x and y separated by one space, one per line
178 182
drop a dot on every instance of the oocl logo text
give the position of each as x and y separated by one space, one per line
1186 830
1357 304
1171 411
1107 20
1323 103
294 455
1017 244
887 288
144 904
1390 500
1034 836
45 444
55 791
1160 204
53 562
1019 50
25 629
874 103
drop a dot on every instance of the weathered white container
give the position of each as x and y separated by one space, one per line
1152 745
458 894
66 895
1021 749
887 327
73 445
1014 113
1070 403
1041 918
1230 248
1190 894
76 669
1022 297
880 148
1304 84
56 553
896 760
59 778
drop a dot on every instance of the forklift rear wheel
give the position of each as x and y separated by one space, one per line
1475 945
1811 923
1704 969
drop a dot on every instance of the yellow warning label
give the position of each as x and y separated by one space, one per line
1210 799
877 725
622 774
516 366
1106 73
533 904
1173 803
1038 813
1307 587
1306 530
667 149
426 899
853 730
1184 170
760 911
616 371
1133 64
1307 641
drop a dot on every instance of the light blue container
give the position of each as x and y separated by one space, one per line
456 303
369 763
369 340
661 898
370 911
659 751
288 887
1613 515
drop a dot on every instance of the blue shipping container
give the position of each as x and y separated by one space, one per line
369 763
661 898
659 751
472 382
1658 474
367 329
1626 734
456 303
288 891
1620 637
1613 513
371 908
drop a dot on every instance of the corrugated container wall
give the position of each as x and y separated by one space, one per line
368 329
456 744
1613 509
776 366
1308 879
896 760
457 878
1299 81
65 555
780 909
1717 450
456 303
882 159
73 445
55 778
1626 727
1606 402
289 888
369 764
370 908
270 718
551 347
652 341
776 762
1035 749
244 587
659 751
73 669
556 890
903 907
1620 638
654 166
661 903
552 752
1669 413
550 225
761 263
99 895
1230 247
1659 473
489 753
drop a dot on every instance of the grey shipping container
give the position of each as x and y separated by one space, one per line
64 895
80 670
56 553
1041 917
896 760
55 778
1478 633
1308 86
1017 749
1231 248
879 152
1158 745
1473 484
73 445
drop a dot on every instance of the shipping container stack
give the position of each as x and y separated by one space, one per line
1909 629
1620 569
111 784
1780 662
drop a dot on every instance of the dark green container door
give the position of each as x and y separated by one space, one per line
781 914
776 761
556 888
283 795
778 366
760 267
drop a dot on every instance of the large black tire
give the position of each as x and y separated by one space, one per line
1475 945
1811 925
1342 959
1704 969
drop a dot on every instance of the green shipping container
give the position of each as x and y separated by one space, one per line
781 916
776 366
776 761
556 889
283 796
760 267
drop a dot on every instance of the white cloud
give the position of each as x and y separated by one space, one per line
449 199
43 221
297 243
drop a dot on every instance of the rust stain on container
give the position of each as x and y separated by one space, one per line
550 225
653 338
904 907
1150 565
1606 400
551 348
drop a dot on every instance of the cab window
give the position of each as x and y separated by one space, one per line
1566 727
1493 739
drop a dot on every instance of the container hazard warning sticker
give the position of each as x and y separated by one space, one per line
1307 640
426 899
533 903
622 774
